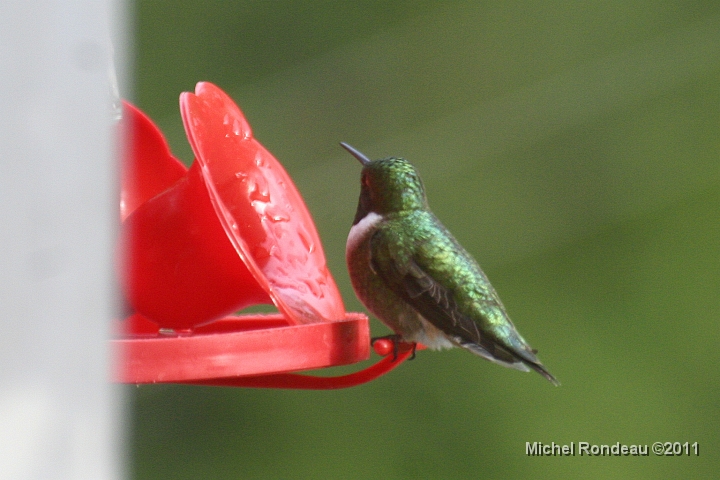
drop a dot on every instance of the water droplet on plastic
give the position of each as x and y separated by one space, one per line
260 161
256 192
302 287
237 127
257 196
276 214
313 287
306 241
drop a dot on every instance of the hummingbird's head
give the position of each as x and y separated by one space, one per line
388 185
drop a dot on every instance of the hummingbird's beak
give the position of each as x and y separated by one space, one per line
356 153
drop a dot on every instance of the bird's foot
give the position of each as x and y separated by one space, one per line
414 349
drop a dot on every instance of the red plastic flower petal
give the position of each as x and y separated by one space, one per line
260 208
148 167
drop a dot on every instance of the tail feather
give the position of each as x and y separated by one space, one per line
540 368
508 359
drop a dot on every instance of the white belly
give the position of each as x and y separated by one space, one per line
360 230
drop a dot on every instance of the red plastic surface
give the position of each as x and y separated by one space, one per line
231 231
148 167
309 382
239 346
262 212
181 269
233 351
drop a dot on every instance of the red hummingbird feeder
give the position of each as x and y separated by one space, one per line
231 231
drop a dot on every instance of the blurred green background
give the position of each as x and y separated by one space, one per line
572 147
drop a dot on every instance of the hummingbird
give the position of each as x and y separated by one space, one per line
410 272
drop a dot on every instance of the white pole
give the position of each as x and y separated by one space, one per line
59 415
